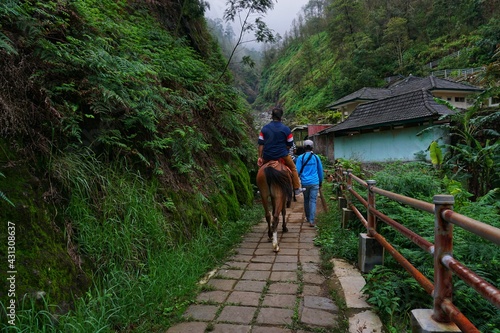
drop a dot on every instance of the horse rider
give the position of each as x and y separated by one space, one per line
275 140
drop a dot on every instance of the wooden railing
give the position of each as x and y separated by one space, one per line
442 250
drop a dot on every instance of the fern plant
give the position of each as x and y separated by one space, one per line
10 10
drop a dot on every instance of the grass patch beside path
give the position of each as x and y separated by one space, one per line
139 301
390 289
335 242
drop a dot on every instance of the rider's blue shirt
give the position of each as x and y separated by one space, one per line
277 140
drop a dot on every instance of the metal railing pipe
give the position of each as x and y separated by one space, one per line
422 205
479 228
417 275
423 243
359 215
359 197
485 289
458 317
359 180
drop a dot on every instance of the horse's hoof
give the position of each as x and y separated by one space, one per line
285 229
276 248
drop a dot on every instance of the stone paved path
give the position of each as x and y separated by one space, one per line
259 291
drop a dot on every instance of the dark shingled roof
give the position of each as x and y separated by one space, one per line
415 105
430 83
411 83
367 94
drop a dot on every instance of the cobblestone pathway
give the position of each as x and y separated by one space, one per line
259 291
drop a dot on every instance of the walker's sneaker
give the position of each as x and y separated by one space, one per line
298 191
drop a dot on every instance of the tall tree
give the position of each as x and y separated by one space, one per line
396 35
439 23
314 16
345 19
245 11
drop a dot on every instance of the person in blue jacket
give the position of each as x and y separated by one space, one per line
310 171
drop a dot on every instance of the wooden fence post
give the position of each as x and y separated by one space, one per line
370 252
436 320
349 179
371 204
341 199
347 213
443 243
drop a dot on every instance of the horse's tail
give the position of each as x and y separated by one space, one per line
280 178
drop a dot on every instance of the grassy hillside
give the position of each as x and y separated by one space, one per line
300 77
337 47
118 145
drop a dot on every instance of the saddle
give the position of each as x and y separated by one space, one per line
275 164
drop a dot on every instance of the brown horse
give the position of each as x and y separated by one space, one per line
274 181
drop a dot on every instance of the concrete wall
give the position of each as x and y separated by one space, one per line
396 144
323 144
453 98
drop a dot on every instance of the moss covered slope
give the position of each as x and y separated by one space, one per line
118 140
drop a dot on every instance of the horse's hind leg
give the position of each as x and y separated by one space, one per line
269 231
270 225
276 247
267 214
283 214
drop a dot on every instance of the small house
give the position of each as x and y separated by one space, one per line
382 123
388 129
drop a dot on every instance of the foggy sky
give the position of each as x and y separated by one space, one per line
279 19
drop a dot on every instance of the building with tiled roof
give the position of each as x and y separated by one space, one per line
383 124
455 93
431 83
400 110
348 103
